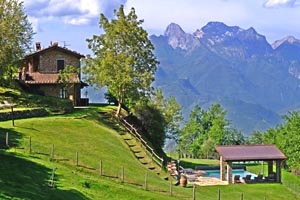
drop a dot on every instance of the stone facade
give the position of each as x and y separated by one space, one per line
48 61
40 71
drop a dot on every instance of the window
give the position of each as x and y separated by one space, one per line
60 63
63 93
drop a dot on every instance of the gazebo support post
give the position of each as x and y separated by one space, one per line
222 169
278 171
229 172
270 167
263 168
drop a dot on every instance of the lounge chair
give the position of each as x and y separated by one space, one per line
259 178
236 179
247 178
271 177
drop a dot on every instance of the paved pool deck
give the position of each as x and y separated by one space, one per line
205 181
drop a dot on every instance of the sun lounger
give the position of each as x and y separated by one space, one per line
271 177
236 179
247 179
259 178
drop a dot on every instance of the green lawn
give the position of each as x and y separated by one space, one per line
94 137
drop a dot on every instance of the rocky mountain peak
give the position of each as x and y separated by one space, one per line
218 28
285 40
198 33
174 30
233 40
177 38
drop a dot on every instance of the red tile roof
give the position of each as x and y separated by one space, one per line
48 78
63 49
250 152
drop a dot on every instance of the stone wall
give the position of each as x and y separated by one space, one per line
38 112
49 58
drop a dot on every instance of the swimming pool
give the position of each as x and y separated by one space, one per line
216 173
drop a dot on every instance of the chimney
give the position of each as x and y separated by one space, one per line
38 46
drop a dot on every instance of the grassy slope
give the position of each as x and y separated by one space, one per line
70 134
25 176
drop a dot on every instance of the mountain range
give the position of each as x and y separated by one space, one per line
254 81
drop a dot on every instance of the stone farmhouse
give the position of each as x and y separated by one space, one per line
40 73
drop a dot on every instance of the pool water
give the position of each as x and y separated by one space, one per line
216 173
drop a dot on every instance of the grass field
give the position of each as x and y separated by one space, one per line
93 137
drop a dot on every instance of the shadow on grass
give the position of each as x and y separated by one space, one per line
13 138
100 114
23 179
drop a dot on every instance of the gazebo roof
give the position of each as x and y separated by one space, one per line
250 153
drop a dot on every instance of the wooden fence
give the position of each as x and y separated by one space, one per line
133 131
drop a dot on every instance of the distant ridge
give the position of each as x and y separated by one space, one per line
256 82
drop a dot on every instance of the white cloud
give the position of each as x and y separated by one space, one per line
280 3
75 12
34 24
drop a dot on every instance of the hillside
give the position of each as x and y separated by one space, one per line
92 157
55 141
256 82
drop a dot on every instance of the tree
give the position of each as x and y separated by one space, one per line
286 137
15 37
153 122
192 134
217 123
68 75
171 111
256 138
123 58
233 137
204 130
160 117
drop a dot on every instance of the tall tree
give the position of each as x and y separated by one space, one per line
15 36
173 117
123 58
192 134
204 130
286 137
171 111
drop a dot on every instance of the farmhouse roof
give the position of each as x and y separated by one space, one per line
250 153
48 78
55 46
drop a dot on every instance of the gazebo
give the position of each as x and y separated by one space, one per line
237 153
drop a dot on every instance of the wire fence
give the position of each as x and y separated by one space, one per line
148 181
103 168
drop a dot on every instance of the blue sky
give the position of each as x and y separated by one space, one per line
71 22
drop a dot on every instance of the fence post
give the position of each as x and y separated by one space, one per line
146 181
152 155
30 144
219 194
122 175
6 140
100 167
194 192
76 162
171 188
52 152
242 196
12 115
